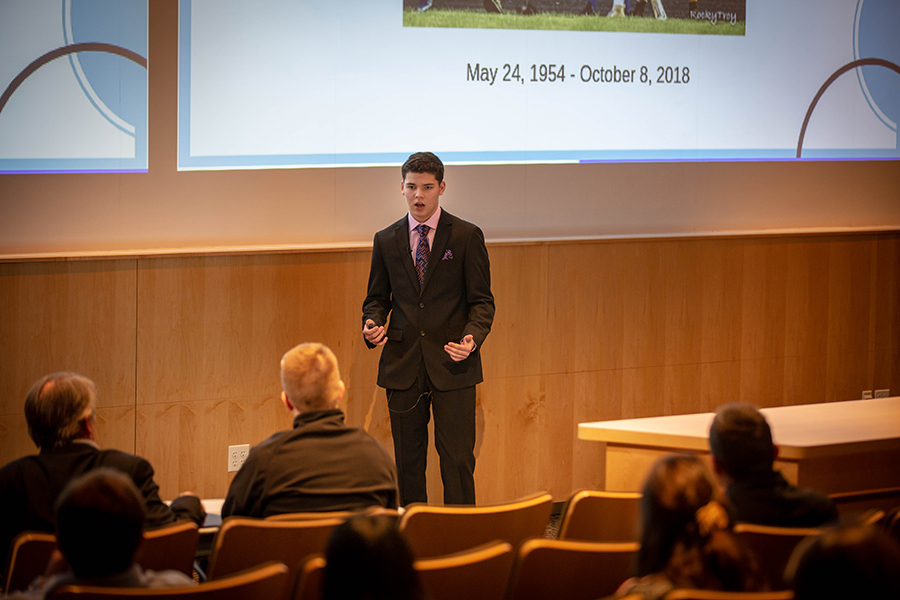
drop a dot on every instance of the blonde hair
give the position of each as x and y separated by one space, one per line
310 377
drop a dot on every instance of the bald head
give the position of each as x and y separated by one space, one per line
310 377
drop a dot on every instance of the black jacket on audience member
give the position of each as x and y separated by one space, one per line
30 486
319 465
767 498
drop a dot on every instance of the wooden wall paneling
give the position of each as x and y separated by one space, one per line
517 344
644 299
116 428
643 391
65 316
515 450
597 396
806 310
187 442
213 329
720 383
763 323
683 304
849 294
722 266
895 312
884 330
585 307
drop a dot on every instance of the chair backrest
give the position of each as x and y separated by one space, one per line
336 514
571 570
863 500
440 530
242 543
170 547
312 516
772 547
269 582
478 574
601 517
692 594
310 579
29 555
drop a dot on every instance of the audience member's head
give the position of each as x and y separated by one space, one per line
60 408
852 561
423 162
741 441
310 378
368 558
685 530
100 523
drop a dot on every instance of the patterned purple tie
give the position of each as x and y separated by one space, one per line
422 252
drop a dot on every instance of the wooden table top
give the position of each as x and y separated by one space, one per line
802 431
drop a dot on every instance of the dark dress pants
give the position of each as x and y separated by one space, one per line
454 438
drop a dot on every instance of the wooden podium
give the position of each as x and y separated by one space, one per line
832 447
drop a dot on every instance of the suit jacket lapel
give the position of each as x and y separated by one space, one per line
401 236
441 237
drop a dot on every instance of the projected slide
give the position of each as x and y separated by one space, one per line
308 83
73 78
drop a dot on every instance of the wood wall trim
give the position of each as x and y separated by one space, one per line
317 248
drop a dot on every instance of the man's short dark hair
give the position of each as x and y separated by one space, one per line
423 162
741 441
54 412
100 523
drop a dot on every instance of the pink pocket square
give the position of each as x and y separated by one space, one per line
447 255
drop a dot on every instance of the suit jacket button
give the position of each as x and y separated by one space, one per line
421 305
422 333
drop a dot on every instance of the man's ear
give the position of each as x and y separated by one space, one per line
287 402
88 425
340 395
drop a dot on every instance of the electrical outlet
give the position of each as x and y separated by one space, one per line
867 395
882 393
236 456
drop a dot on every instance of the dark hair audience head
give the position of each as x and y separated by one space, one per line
368 558
423 162
56 407
740 440
850 561
100 523
685 530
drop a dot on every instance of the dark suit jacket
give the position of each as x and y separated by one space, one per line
768 499
455 301
30 486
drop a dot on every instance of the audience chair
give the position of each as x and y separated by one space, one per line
601 517
337 514
243 542
864 500
170 547
571 570
478 574
310 579
343 515
692 594
29 555
441 530
772 547
266 582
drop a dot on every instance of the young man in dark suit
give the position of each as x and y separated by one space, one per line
430 272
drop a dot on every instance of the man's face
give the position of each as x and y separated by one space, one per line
422 193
